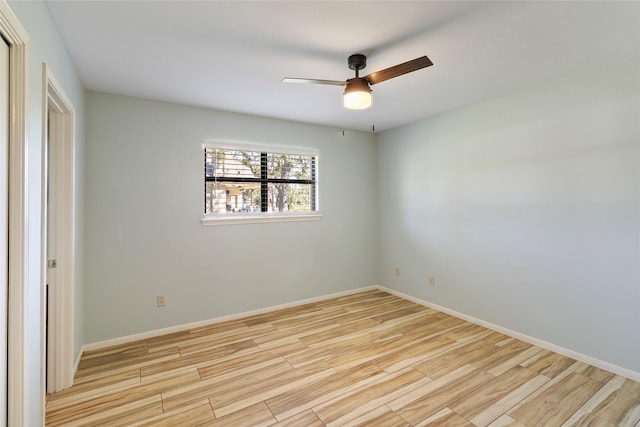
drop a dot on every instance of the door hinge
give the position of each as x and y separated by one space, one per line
52 263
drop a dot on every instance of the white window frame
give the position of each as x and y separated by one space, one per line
262 217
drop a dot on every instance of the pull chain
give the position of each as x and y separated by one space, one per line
373 120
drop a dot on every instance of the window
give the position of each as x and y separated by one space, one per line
252 182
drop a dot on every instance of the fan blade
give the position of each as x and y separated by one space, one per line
398 70
314 81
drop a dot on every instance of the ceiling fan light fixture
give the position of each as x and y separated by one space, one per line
357 94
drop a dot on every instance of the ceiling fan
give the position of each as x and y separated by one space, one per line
357 92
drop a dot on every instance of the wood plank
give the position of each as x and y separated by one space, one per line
429 404
382 416
548 363
583 419
125 349
592 372
502 355
187 416
364 359
292 322
82 390
467 331
303 398
445 417
488 414
122 414
126 358
194 359
285 335
252 392
506 421
307 419
234 382
206 343
86 407
399 354
109 369
618 402
329 350
451 359
344 408
217 367
329 335
487 395
555 405
257 415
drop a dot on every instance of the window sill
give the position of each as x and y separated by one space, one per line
258 219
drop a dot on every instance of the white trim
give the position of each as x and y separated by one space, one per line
76 364
4 224
61 149
262 147
526 338
543 344
179 328
18 374
262 217
233 219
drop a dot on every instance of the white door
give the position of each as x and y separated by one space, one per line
51 276
58 240
4 223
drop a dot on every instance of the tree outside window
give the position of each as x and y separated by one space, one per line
248 181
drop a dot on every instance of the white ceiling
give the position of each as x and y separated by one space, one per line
232 55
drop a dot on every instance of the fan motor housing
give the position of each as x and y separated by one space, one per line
357 61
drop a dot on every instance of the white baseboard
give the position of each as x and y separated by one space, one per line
179 328
77 364
526 338
531 340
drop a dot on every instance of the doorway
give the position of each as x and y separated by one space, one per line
58 235
16 388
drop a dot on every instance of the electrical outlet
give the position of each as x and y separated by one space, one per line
432 280
162 300
398 271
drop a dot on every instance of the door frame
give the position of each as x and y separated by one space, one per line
58 166
4 223
18 299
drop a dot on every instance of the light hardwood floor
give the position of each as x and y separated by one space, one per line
366 359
